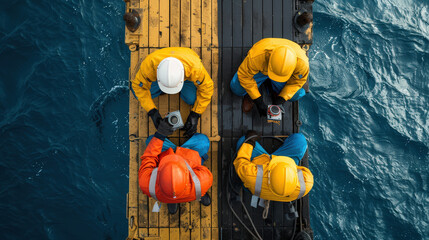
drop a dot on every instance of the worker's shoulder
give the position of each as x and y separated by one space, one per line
173 51
308 176
268 44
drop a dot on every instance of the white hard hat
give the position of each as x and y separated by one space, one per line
170 75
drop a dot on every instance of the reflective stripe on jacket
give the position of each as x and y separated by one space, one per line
247 171
194 72
152 158
257 61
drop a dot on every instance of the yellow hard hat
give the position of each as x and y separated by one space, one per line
282 63
282 176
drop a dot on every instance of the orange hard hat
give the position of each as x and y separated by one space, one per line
282 63
173 175
282 177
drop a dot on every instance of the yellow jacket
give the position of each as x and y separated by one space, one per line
247 171
257 61
194 72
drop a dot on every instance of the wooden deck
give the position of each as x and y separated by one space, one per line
172 23
194 24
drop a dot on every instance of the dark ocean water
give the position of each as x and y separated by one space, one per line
64 127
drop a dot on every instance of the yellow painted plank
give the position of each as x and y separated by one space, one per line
143 233
206 233
132 223
215 40
215 61
133 130
195 23
153 232
143 132
163 104
153 216
195 220
198 51
214 169
133 163
163 110
214 189
134 3
144 38
174 23
153 23
174 233
164 20
184 220
215 233
206 23
164 233
206 129
185 22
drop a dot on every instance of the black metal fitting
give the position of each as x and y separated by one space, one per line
132 20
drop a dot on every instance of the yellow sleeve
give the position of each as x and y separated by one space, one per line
142 82
245 74
204 85
242 164
297 80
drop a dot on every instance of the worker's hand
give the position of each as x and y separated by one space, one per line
261 106
191 124
252 140
156 117
278 100
164 128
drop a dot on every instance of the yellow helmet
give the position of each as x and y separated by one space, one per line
282 63
282 176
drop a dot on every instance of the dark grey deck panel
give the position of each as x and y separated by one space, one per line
241 24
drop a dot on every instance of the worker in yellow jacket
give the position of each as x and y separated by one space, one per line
280 60
273 176
172 70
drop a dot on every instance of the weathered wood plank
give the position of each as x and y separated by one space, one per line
206 23
144 38
163 110
215 29
195 220
206 129
196 23
153 23
206 233
143 232
174 233
164 23
153 231
143 132
185 220
185 22
214 145
175 23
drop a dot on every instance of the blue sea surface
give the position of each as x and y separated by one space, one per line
64 119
